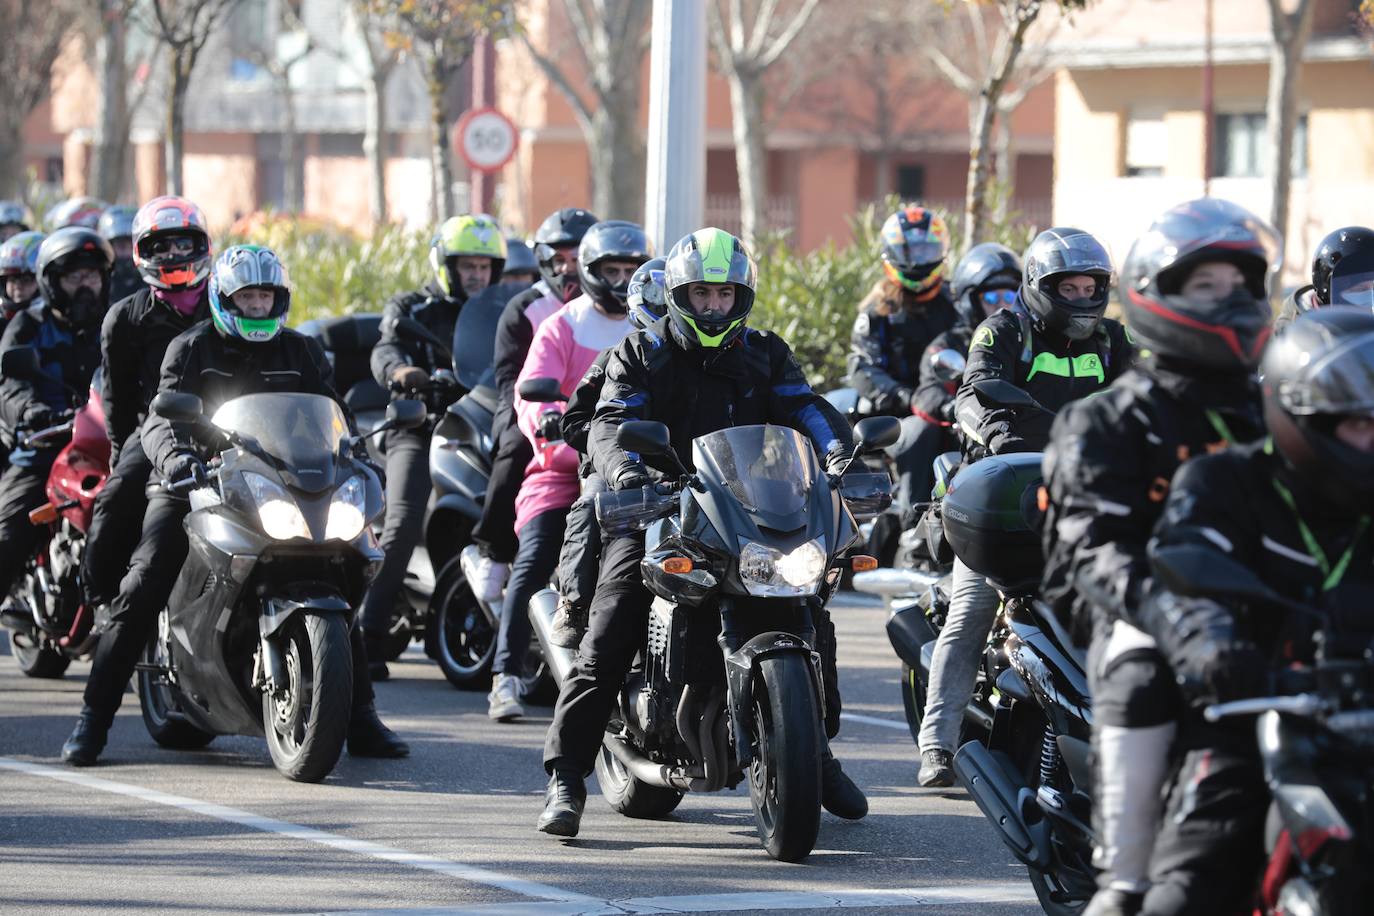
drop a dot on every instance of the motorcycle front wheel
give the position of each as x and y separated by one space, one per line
161 712
306 720
464 640
785 776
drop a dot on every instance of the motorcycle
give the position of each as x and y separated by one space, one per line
49 620
743 554
254 639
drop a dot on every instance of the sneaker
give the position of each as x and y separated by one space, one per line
937 769
569 623
503 703
486 576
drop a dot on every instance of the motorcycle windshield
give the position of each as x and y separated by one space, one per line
766 468
300 432
474 336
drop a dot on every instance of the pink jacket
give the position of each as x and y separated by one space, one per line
565 346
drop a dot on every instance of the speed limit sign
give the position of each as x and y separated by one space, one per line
486 138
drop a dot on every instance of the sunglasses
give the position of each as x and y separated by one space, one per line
173 245
999 297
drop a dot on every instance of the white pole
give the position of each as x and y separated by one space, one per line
676 174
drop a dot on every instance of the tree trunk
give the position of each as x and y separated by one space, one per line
1290 33
176 116
975 199
293 189
13 176
617 127
1006 169
111 129
746 101
441 170
374 143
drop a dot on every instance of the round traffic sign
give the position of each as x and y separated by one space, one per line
486 138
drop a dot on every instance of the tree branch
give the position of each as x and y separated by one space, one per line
788 36
580 108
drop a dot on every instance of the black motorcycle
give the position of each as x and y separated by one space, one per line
254 638
740 556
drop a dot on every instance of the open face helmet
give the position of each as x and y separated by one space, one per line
171 243
715 257
248 267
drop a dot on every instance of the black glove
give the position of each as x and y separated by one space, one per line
38 416
1004 440
632 477
1212 671
551 426
947 410
184 466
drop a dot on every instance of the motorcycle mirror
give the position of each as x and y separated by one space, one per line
179 406
405 414
411 328
1189 569
20 362
648 437
877 433
1002 393
541 390
948 364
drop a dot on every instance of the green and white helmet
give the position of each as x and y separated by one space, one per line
470 235
242 267
709 256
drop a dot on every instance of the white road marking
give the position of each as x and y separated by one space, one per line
471 873
874 720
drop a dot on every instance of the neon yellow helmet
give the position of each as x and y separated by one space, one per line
470 235
709 256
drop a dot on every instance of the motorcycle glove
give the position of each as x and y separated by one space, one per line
39 416
185 466
551 426
632 477
410 378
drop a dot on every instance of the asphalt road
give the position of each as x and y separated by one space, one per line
451 829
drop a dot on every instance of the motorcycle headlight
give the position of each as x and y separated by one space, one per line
768 572
346 511
278 513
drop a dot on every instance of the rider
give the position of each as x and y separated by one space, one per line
117 226
172 255
1295 510
74 280
466 256
898 319
245 348
699 370
14 219
565 346
18 274
1195 290
647 302
521 266
555 247
82 212
1055 345
1342 274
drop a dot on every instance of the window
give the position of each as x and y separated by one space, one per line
911 182
1147 146
341 145
1240 146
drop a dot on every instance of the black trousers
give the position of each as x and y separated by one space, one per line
1136 690
119 511
23 488
408 488
1209 855
914 453
580 558
511 453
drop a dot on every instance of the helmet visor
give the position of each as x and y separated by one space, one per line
920 252
1340 383
1352 281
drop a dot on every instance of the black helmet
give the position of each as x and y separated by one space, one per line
647 295
117 222
1223 334
1053 255
71 249
986 266
1318 372
1343 268
519 258
561 229
612 240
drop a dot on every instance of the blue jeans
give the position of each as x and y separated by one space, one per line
535 562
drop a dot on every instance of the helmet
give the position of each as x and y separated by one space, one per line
171 270
519 258
117 222
709 256
474 235
561 229
1224 334
985 265
1343 266
1320 370
71 249
915 244
19 254
1053 255
241 267
646 297
12 213
77 211
612 240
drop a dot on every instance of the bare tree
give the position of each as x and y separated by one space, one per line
379 63
184 26
1290 33
279 68
609 39
744 53
34 31
106 32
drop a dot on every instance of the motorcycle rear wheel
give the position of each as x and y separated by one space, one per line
159 705
307 722
37 660
464 640
630 796
785 777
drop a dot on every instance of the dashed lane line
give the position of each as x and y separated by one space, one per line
874 720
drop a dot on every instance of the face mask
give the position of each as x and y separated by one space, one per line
1081 327
183 301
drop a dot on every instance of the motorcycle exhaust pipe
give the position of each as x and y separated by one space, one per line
1005 801
655 774
542 608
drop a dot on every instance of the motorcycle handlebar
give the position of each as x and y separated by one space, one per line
1306 705
41 437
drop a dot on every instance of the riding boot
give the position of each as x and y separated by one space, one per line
840 796
368 737
563 804
87 739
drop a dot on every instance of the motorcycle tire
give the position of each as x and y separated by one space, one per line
913 700
1053 899
630 796
307 723
38 661
464 641
161 712
785 776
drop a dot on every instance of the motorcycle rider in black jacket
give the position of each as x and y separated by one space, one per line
245 348
1195 290
172 254
466 256
1342 274
73 280
698 370
117 226
1294 509
1055 345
